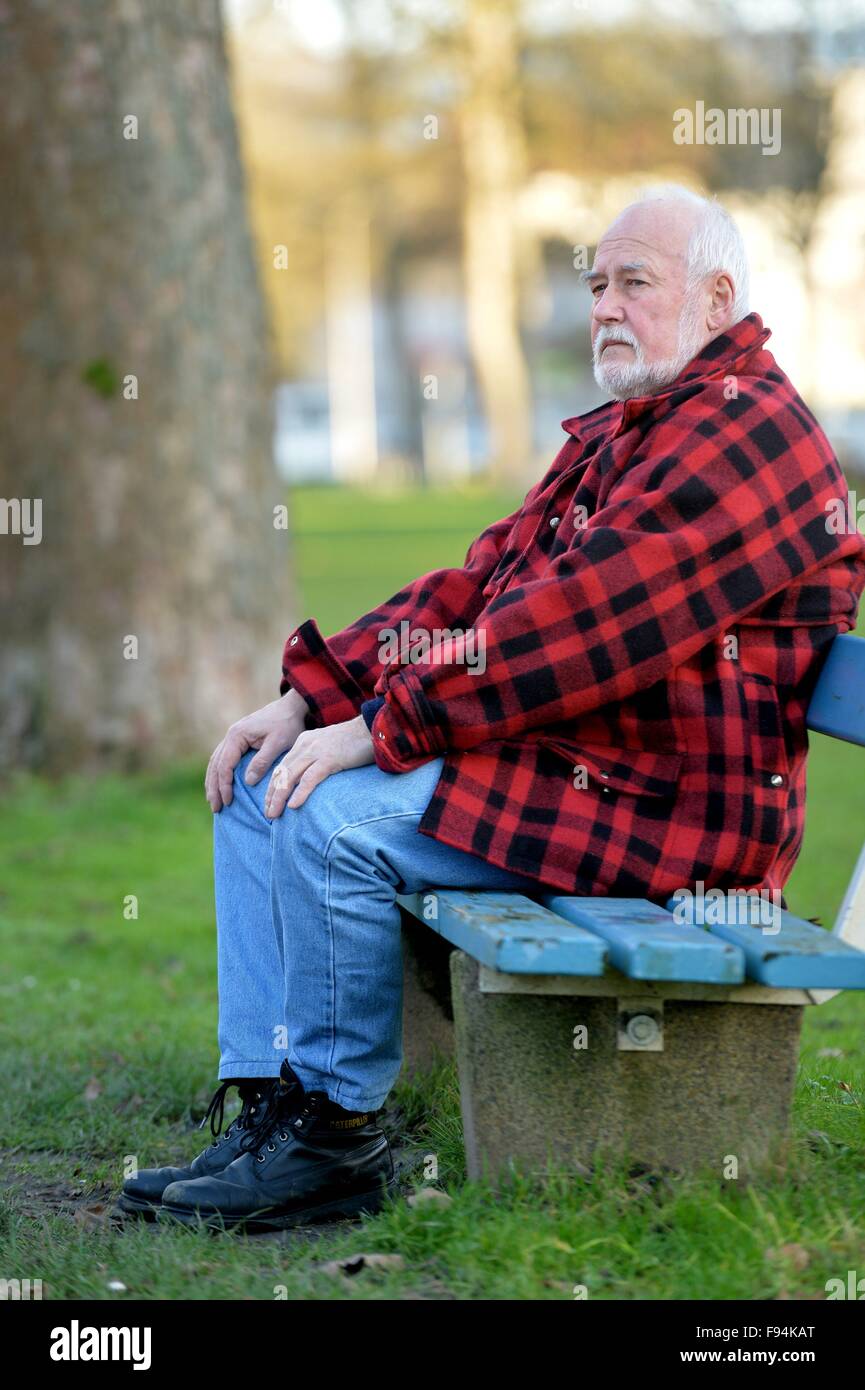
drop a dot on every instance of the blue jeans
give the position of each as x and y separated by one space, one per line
309 949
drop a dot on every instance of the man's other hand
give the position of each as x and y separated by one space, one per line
271 730
315 755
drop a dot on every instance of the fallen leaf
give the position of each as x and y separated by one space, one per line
830 1052
93 1089
92 1217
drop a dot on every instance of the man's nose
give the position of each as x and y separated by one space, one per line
607 307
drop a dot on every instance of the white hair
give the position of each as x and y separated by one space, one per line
715 244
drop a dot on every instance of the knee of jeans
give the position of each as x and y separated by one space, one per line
306 830
321 829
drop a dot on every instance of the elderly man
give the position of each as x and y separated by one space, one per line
652 620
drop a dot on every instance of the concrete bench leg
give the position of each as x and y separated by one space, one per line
427 1016
721 1088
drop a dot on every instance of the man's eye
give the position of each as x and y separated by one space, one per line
636 282
598 289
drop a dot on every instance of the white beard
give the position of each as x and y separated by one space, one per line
641 378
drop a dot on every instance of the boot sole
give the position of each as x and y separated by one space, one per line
352 1205
127 1205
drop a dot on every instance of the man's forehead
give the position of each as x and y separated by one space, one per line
618 251
623 250
658 227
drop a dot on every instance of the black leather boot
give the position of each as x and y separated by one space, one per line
319 1164
141 1195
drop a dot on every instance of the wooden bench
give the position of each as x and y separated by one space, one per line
586 1025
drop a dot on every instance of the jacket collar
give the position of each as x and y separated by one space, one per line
723 356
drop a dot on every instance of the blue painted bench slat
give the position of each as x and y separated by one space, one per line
647 944
837 706
509 932
799 955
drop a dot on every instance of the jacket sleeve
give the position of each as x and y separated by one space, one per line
337 674
700 530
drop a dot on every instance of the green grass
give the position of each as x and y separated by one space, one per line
354 549
107 1031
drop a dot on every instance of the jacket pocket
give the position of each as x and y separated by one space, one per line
765 803
639 771
766 728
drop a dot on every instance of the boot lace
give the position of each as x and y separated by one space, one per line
215 1112
274 1125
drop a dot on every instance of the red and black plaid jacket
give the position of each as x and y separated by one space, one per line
654 617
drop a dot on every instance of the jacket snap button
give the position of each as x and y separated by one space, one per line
777 780
380 734
554 521
293 642
605 790
605 775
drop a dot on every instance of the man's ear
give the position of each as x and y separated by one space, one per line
720 303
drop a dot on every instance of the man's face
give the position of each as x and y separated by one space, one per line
645 329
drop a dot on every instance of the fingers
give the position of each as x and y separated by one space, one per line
267 754
231 750
285 778
279 789
211 787
318 772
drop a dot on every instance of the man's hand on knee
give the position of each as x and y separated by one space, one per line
271 730
315 755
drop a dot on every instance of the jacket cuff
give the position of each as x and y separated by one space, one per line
405 733
370 708
310 668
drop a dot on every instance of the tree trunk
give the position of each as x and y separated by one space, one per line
135 363
494 162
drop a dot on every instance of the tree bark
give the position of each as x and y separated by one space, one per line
127 268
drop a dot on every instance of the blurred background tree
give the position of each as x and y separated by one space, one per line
495 166
136 369
475 147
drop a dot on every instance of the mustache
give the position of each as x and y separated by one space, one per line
613 335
